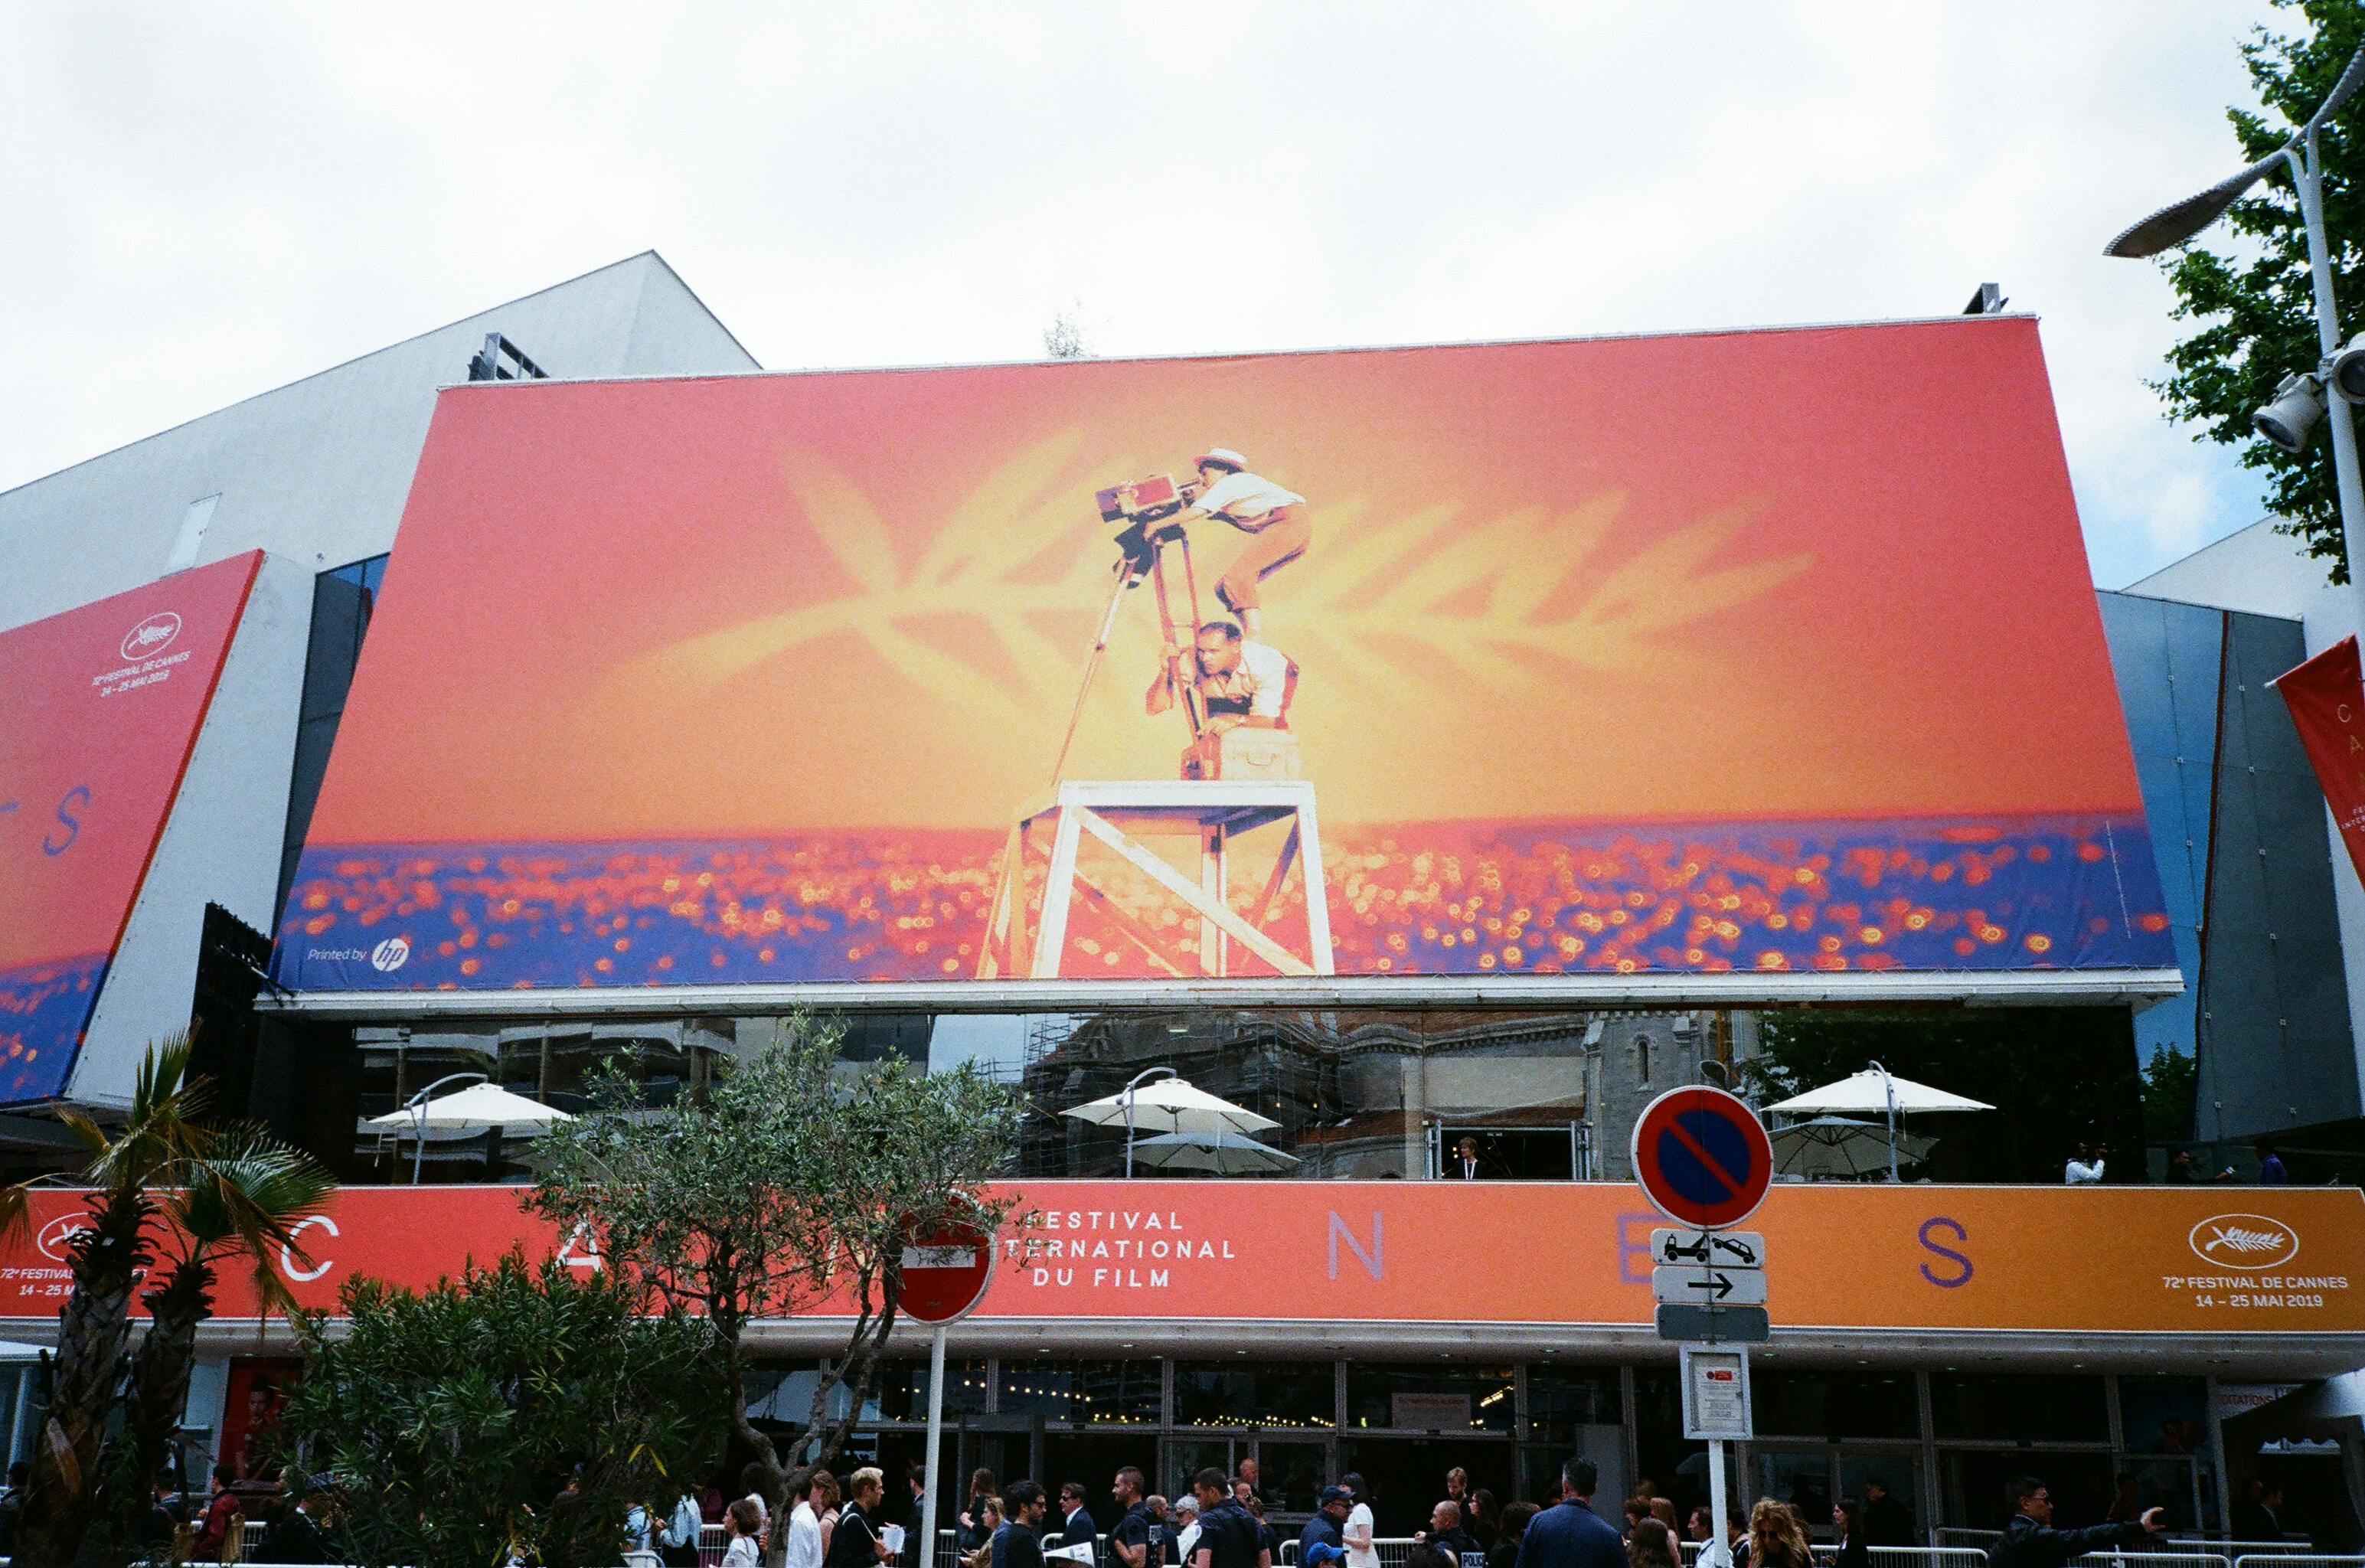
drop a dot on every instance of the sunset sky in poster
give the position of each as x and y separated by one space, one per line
1768 575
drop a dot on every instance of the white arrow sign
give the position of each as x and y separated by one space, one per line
1709 1287
1721 1249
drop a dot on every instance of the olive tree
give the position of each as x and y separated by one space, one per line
786 1188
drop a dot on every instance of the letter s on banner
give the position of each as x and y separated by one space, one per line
287 1254
1940 1222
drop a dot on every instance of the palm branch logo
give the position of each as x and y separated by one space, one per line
1397 600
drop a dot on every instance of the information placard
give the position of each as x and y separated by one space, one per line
1715 1395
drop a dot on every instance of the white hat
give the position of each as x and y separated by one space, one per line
1222 457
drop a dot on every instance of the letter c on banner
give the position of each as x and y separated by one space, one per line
287 1254
1951 1278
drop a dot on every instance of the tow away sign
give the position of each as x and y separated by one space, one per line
1721 1249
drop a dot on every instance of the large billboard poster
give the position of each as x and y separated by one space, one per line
99 710
1767 651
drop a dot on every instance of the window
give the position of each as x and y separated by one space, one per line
1430 1399
1836 1404
1642 1060
2004 1407
900 1391
1563 1399
1254 1393
1093 1393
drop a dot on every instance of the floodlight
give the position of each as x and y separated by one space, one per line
2290 418
2347 372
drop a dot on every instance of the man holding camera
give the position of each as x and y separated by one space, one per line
1241 682
1273 517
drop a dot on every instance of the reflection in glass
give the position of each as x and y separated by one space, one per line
1254 1393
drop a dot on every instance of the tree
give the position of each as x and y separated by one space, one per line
158 1143
2255 302
451 1418
165 1166
241 1205
1065 337
2171 1079
786 1190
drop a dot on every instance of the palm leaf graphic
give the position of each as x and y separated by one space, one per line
1408 602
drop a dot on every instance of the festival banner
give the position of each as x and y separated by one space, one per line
1767 651
2326 697
99 710
2158 1259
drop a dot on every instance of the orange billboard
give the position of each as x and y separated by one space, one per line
99 710
2239 1261
1766 651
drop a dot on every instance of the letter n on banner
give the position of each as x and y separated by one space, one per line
2326 697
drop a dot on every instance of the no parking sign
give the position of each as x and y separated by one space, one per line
1702 1157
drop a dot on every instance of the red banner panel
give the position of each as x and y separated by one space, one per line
2326 697
1765 650
99 710
2279 1261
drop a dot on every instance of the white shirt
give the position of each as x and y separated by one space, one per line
1186 1541
1359 1528
741 1553
1261 677
1241 499
805 1537
2080 1174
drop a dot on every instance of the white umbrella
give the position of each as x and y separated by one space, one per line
1835 1145
482 1107
1877 1089
1872 1092
478 1108
1225 1154
1171 1105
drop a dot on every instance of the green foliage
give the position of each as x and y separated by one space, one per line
449 1420
2058 1076
2171 1079
2254 301
787 1187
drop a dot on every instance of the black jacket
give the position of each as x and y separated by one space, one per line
2027 1544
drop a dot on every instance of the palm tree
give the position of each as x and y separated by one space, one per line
162 1177
158 1139
245 1200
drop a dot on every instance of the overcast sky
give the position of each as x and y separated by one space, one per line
201 203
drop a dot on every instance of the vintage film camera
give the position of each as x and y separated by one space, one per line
1138 512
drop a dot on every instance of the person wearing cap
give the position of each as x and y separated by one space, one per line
1273 517
1328 1526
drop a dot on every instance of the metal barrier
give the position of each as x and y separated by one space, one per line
1391 1549
1927 1556
2278 1558
2120 1555
1957 1534
2237 1550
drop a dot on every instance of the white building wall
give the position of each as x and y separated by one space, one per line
315 474
2265 572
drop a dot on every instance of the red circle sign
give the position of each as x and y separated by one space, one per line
1702 1157
945 1271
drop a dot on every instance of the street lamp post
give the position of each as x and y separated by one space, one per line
1889 1093
2174 224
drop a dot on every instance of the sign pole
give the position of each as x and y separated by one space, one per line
1717 1551
935 1434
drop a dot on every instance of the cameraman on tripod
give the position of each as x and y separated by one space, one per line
1273 518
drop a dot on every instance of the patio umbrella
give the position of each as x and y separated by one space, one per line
1225 1154
1872 1092
482 1107
1877 1090
1170 1105
1837 1146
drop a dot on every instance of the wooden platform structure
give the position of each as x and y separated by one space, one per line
1121 814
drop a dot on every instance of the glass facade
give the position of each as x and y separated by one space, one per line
1945 1444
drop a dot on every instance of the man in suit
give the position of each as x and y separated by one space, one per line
1569 1534
1076 1525
1465 1165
